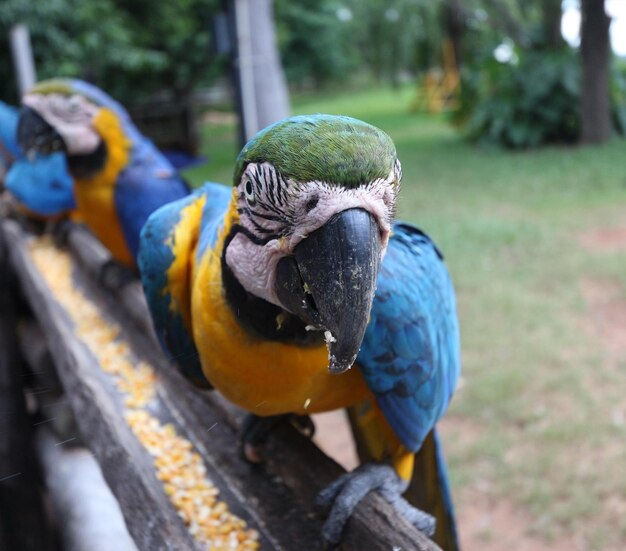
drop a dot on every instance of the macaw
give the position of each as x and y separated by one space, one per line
274 290
42 185
120 177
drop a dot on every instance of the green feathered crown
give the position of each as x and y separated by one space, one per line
328 148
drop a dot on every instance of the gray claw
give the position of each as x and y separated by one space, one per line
345 493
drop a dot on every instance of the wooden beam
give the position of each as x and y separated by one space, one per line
126 466
23 524
277 498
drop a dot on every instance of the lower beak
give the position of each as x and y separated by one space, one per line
35 135
331 279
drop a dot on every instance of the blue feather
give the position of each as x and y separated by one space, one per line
413 316
139 191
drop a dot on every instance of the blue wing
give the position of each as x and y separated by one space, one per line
156 255
146 184
410 356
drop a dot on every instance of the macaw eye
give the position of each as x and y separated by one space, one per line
248 191
73 106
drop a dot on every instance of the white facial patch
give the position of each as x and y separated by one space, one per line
277 214
71 116
254 266
377 197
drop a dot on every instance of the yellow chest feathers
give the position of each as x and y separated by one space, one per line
264 377
95 196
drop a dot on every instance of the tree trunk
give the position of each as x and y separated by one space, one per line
264 89
551 15
454 22
595 51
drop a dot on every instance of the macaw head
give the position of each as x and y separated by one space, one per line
316 197
59 115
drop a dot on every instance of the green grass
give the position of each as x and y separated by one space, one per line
533 416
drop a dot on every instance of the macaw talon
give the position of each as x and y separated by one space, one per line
114 276
254 433
344 494
255 430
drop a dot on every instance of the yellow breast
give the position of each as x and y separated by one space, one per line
264 377
95 196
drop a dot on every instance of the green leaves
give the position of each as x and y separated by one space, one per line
129 50
524 104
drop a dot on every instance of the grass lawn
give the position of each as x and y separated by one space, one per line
536 244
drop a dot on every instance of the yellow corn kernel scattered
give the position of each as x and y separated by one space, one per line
178 467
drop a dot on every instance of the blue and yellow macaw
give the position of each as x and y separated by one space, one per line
42 186
120 176
283 284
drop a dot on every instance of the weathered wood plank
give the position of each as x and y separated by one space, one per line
277 496
23 524
127 468
87 514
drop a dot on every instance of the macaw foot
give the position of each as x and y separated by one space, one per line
114 276
255 430
345 493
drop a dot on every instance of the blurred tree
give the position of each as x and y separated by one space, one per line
595 51
551 23
180 34
316 40
73 38
523 87
322 41
129 50
454 24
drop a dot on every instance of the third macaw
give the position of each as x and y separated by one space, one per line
41 185
299 294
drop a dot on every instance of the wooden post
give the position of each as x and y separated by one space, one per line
23 524
23 58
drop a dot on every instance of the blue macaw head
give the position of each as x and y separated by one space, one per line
316 196
42 185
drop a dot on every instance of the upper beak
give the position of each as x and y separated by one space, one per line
35 135
331 279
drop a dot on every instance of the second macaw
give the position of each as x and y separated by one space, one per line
299 274
120 176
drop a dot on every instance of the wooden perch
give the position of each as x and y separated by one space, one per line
276 498
22 521
87 514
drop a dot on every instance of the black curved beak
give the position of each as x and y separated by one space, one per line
35 135
330 282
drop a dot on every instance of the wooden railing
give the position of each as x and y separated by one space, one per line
275 498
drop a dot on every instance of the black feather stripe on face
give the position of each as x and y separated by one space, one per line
264 213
